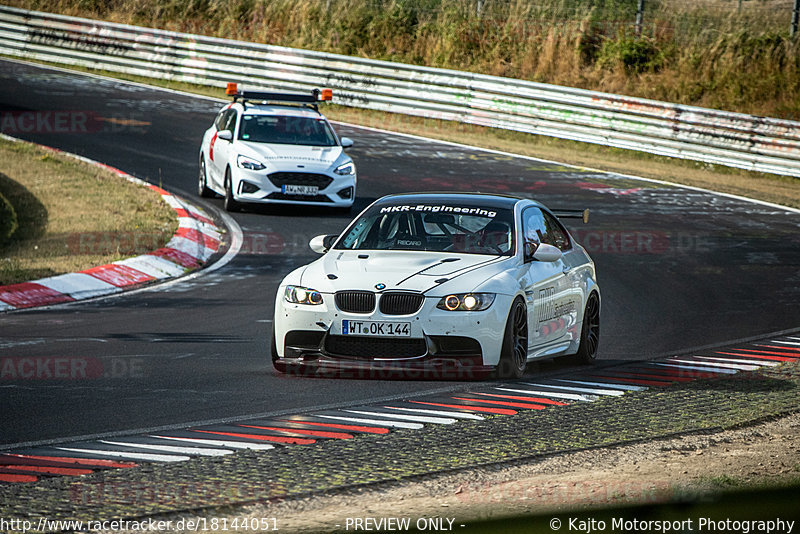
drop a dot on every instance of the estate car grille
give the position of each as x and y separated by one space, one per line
374 347
401 303
355 301
299 198
300 178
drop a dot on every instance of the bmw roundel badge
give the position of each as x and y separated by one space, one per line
380 286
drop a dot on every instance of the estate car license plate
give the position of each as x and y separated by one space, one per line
309 190
375 328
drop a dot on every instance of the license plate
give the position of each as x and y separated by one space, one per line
309 190
375 328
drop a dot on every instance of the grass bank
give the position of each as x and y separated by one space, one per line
716 53
72 216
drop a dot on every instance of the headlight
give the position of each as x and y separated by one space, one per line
345 169
249 163
466 302
302 295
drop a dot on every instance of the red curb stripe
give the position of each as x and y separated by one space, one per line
640 382
317 433
355 428
539 400
760 356
788 354
193 215
177 256
505 403
17 478
782 347
197 237
65 471
70 460
501 411
155 188
30 294
119 275
260 437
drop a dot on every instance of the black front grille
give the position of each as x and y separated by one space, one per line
401 303
300 178
355 301
375 347
299 198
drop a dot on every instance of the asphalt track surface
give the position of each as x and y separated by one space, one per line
678 268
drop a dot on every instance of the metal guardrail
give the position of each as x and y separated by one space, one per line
732 139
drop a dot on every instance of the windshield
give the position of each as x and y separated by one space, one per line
286 130
433 227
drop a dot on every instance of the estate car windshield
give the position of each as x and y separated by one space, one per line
286 130
433 227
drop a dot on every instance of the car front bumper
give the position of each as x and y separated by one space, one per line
441 343
256 187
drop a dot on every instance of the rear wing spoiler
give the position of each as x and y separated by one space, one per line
573 214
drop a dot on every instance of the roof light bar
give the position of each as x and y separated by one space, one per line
316 95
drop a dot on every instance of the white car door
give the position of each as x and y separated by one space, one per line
219 150
547 286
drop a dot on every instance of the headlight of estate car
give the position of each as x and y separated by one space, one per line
345 169
249 163
302 295
466 302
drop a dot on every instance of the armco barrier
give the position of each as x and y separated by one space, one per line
733 139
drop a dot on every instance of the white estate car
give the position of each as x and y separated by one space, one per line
466 282
276 148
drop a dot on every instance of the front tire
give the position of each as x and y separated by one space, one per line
202 187
590 331
514 353
274 353
230 203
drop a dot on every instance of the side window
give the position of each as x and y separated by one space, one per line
230 120
219 122
533 226
557 235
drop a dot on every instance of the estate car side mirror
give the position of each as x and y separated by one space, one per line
346 142
322 243
225 134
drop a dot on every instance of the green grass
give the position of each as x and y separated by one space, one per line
8 219
72 216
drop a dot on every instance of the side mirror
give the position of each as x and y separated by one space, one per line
545 252
346 142
225 134
322 243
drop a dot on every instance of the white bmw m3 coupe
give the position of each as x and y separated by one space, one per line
458 284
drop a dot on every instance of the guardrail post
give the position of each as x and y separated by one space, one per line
795 17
